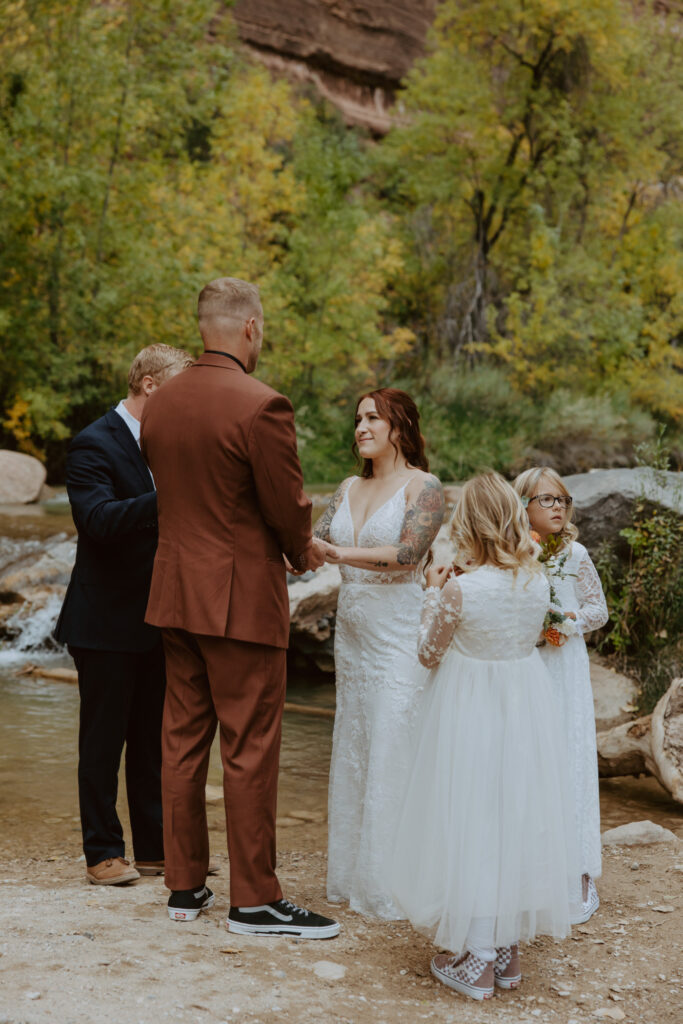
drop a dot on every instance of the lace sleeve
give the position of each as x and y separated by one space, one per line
441 613
592 611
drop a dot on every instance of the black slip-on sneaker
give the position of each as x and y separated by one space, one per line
185 904
281 917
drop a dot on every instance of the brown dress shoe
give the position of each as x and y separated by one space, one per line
156 867
114 871
150 867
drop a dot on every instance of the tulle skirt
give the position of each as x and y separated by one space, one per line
486 830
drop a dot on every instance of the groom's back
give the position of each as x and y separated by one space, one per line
211 437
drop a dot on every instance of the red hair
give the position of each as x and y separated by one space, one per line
398 410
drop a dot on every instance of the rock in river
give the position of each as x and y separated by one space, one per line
21 478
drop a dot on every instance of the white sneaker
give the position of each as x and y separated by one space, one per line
588 906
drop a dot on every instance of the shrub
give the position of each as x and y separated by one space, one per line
645 592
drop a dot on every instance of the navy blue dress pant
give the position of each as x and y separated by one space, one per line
122 701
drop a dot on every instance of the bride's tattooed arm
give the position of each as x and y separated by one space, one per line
322 527
421 523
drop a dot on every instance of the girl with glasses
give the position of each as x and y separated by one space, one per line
577 594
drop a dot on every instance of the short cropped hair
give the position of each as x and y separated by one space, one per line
229 297
158 362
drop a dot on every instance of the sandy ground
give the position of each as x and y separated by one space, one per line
73 953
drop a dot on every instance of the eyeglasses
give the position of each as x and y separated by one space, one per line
548 500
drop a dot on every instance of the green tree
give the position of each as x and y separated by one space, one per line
536 168
96 103
140 156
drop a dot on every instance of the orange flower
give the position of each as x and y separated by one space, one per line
554 637
536 536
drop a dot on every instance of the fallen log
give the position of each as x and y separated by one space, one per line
651 744
309 709
69 675
62 675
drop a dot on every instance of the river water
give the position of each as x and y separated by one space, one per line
39 736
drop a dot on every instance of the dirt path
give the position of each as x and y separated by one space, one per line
71 953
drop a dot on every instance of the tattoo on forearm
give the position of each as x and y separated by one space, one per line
380 565
322 527
421 523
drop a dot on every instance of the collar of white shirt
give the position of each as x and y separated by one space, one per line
130 421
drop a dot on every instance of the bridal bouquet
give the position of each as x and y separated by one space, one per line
557 626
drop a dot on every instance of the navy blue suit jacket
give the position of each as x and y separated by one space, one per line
114 506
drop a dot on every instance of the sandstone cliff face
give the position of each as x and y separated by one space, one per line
355 51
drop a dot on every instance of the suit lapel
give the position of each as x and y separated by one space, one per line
123 437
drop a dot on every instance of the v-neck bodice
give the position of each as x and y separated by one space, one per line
381 528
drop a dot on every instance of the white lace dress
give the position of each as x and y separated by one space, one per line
580 591
484 847
379 686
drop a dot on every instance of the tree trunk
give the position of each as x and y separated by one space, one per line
652 744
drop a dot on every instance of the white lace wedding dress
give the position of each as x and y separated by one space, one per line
578 589
379 686
485 850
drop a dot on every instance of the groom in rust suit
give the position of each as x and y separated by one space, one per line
222 449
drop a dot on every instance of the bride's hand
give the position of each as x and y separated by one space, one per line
333 554
437 575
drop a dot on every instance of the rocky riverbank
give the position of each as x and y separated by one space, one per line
84 955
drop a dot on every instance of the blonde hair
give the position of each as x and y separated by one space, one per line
527 483
158 362
490 527
228 297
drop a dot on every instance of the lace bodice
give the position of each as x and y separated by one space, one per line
382 528
578 588
489 614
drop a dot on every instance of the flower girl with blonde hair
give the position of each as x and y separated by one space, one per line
577 599
483 853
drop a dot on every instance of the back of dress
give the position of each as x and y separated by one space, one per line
502 613
484 850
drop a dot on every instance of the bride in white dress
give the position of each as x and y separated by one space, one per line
380 527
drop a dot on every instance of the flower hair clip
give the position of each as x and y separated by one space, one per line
524 498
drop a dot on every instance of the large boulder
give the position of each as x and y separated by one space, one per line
21 478
312 610
33 580
47 567
614 695
603 499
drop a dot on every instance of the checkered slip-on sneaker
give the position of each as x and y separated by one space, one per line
588 906
467 974
507 972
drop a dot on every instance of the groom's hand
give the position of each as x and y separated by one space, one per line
309 561
318 550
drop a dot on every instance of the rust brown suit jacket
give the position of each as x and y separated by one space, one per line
222 449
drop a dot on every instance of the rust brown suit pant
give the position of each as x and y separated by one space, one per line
239 686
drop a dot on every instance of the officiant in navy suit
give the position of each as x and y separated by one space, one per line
119 659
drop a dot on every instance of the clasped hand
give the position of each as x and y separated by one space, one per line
317 557
436 575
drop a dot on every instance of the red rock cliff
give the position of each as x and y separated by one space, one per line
355 52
